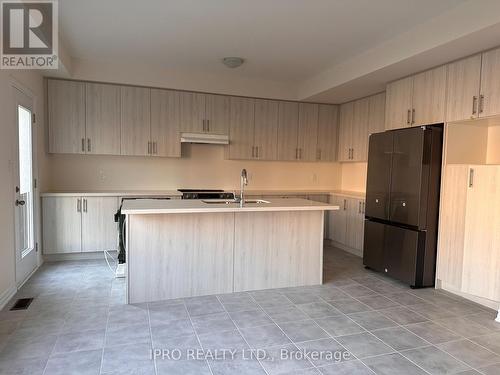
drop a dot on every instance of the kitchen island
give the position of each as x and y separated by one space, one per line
187 248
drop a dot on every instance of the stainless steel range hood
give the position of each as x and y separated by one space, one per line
215 139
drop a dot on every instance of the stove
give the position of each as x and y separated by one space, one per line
206 194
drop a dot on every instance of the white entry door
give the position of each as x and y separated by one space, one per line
26 257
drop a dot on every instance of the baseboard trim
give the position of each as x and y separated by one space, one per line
74 256
357 252
479 300
6 296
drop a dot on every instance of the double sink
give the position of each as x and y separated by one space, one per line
235 201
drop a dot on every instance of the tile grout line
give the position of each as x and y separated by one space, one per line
197 337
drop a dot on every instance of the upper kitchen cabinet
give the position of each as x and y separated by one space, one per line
265 130
241 132
165 123
328 122
416 100
308 132
345 131
102 119
376 121
489 98
66 116
464 79
398 101
204 113
288 129
429 97
359 142
135 121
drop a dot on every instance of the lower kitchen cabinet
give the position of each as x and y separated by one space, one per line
79 224
469 240
346 226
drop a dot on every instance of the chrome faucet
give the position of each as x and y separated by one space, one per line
243 183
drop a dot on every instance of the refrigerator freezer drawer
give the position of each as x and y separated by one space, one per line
396 251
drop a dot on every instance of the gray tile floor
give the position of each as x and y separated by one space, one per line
358 322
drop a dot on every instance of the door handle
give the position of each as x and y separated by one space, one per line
471 177
20 202
481 103
474 104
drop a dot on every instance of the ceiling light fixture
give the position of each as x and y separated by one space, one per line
232 62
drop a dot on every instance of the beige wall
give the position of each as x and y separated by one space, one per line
33 82
493 156
354 176
202 166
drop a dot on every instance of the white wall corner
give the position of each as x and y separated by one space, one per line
6 296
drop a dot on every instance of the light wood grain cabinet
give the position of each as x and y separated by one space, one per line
376 120
62 225
416 100
135 121
489 98
265 130
103 117
359 142
308 132
288 130
165 123
79 224
346 226
469 243
345 131
328 123
66 115
241 133
204 113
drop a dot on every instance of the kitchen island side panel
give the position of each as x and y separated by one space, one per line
278 249
179 255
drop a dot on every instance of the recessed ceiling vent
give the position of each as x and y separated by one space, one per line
232 62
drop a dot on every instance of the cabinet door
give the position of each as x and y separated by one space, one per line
462 88
359 146
429 97
376 118
165 122
135 122
355 224
217 114
66 115
338 220
398 104
241 133
489 104
192 112
322 198
288 125
345 131
308 131
328 122
103 119
452 225
62 225
481 246
266 129
99 230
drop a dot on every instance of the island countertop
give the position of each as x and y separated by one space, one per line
152 206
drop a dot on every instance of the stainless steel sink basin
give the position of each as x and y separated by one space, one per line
234 201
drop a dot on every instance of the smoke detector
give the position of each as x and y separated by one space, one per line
232 62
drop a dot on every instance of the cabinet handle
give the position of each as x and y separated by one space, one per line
256 151
203 124
208 125
471 177
253 151
359 208
364 207
296 153
83 144
300 153
413 116
89 145
155 148
84 205
149 148
474 104
408 115
318 155
78 205
345 204
481 103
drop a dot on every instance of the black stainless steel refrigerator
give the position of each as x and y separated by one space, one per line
402 203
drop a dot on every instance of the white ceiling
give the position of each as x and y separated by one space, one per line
281 40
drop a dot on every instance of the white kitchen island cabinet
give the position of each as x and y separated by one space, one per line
187 248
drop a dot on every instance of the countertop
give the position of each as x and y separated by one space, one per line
114 193
142 207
